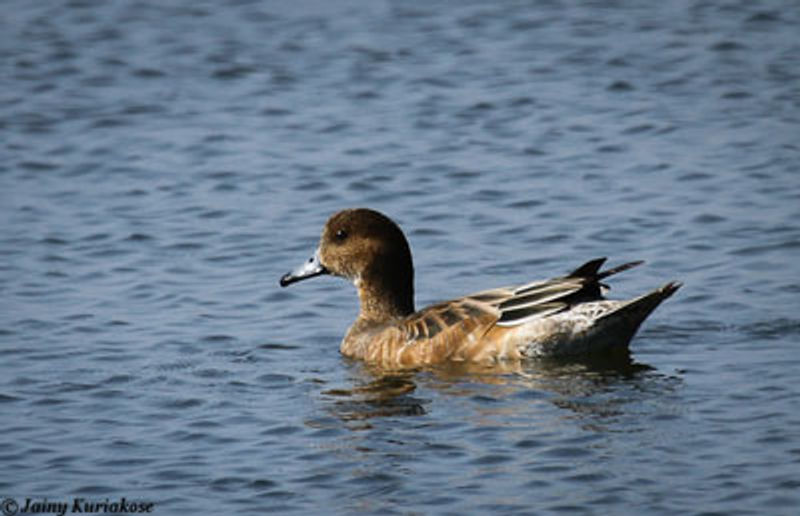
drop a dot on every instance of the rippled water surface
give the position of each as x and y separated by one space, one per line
163 163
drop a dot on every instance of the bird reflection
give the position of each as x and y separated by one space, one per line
377 392
381 394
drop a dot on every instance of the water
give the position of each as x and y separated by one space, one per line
163 163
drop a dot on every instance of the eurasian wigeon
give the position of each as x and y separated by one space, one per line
562 316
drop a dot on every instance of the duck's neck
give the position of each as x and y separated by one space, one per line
386 294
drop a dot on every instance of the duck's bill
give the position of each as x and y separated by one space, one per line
312 267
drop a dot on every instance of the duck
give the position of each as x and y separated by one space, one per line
558 317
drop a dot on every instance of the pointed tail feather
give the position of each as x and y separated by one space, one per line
626 319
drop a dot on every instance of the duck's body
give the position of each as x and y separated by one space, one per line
557 317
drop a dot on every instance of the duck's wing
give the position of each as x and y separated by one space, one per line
450 329
460 316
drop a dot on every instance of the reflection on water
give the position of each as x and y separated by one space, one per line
580 385
385 395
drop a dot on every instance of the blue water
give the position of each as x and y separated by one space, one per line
162 164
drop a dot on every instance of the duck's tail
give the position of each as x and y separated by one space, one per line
623 321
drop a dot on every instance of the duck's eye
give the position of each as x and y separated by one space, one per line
341 235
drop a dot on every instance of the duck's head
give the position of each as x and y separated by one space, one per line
370 250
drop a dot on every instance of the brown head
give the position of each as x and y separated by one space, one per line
370 250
